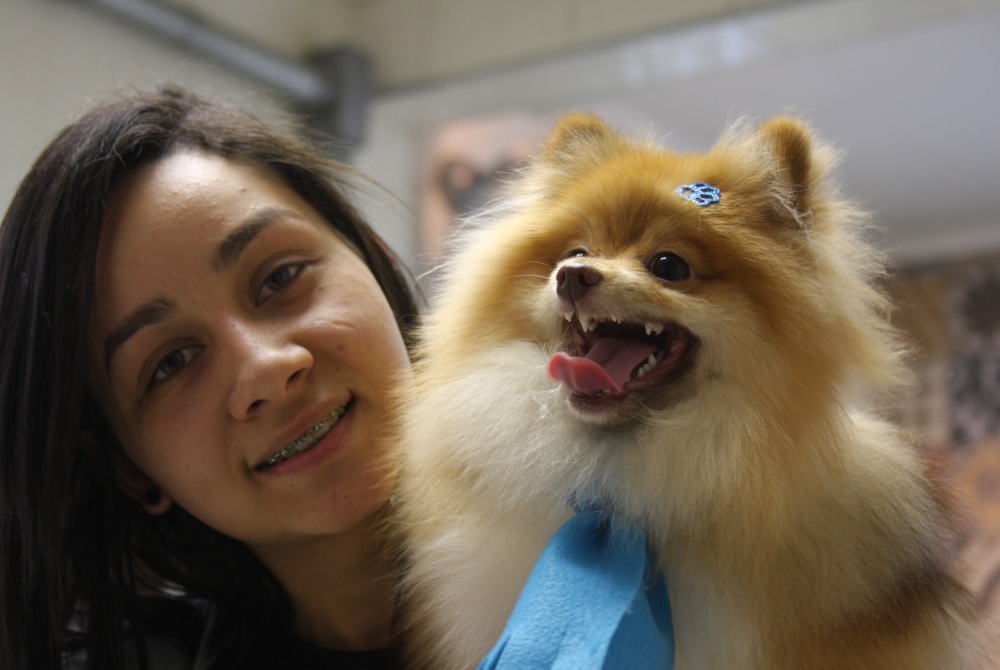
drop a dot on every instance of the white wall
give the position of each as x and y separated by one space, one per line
58 58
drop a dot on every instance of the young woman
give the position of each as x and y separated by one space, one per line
200 339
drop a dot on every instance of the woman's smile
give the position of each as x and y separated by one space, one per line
320 441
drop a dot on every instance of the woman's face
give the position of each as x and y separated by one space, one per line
232 328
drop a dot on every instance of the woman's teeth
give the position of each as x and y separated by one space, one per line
307 440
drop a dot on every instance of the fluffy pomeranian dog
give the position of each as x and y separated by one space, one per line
694 341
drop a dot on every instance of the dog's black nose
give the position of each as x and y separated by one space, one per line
573 281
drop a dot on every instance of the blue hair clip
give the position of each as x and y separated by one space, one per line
700 193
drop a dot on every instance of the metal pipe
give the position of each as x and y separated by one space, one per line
304 85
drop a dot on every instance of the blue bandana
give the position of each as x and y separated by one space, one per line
595 601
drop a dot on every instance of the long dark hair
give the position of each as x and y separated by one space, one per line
74 547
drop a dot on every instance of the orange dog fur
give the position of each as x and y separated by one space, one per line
795 528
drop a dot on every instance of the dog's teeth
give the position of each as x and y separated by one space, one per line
568 316
584 320
652 359
654 328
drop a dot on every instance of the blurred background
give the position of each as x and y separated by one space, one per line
438 100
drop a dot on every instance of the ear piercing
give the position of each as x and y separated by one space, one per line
152 496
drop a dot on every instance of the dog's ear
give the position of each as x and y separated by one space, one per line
791 144
579 142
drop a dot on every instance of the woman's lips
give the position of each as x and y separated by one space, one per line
303 454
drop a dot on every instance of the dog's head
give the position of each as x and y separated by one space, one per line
659 280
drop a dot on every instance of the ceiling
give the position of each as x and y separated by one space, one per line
913 101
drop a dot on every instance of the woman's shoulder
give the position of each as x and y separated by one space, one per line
181 634
177 635
298 654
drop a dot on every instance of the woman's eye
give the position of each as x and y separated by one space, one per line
277 280
173 362
670 267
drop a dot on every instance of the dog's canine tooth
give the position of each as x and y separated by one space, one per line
654 327
585 321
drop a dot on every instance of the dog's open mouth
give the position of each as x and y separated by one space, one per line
616 358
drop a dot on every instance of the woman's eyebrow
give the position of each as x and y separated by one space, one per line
154 311
229 251
241 236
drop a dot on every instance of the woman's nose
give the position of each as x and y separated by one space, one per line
268 369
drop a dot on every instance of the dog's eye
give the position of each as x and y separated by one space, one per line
669 267
576 253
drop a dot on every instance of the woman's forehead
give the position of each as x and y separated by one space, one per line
188 193
167 225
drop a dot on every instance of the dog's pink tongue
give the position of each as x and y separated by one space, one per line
606 366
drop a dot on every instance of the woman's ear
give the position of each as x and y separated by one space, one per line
131 479
141 488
